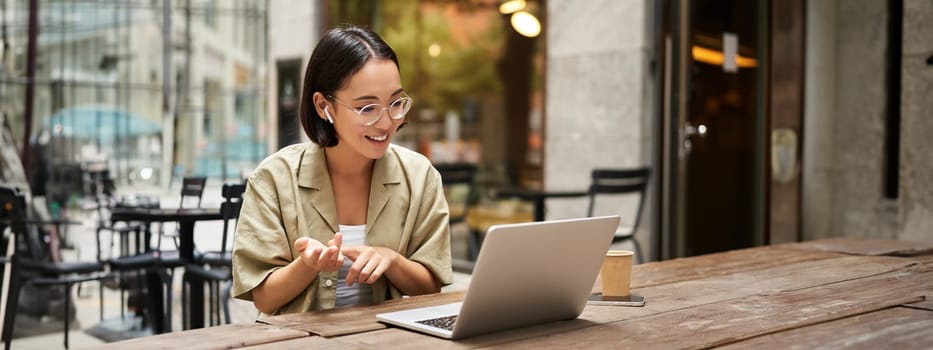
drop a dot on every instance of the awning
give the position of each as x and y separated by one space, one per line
95 121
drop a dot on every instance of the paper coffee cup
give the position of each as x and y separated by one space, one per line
616 273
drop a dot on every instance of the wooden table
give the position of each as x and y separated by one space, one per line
855 293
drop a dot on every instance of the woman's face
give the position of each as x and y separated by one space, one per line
378 82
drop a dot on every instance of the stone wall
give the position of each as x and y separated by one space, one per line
595 106
818 119
916 172
293 33
845 123
858 161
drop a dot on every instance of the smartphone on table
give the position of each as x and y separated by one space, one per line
628 300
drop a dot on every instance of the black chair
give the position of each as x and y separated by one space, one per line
230 210
621 182
106 200
31 264
214 267
191 187
454 175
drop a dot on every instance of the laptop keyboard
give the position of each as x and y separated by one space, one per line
446 322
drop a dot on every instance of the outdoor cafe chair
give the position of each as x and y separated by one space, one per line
30 263
214 267
105 201
192 188
460 175
133 262
612 182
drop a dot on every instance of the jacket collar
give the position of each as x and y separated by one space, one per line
313 174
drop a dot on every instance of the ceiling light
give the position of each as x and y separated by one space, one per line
716 57
434 50
526 24
511 6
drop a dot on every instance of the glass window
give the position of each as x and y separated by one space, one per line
100 96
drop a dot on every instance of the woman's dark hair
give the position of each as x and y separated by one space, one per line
341 53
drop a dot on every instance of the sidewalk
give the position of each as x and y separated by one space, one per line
83 239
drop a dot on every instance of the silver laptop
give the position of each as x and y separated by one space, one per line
525 274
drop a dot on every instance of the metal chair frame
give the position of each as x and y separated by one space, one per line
617 182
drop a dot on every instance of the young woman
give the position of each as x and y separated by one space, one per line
348 218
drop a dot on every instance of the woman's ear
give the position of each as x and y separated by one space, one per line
320 105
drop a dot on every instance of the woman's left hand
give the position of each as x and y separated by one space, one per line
369 263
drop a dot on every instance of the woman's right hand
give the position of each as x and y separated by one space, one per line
317 256
284 284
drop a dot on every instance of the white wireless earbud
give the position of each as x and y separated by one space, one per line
327 114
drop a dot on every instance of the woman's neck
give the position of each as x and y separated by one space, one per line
342 161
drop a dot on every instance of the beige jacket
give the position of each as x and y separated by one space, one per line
290 196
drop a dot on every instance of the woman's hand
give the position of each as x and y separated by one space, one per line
369 263
319 257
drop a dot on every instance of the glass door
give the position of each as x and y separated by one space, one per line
714 118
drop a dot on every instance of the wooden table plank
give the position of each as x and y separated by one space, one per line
895 328
397 338
926 260
794 276
306 343
863 246
650 274
922 305
730 321
337 322
219 337
666 298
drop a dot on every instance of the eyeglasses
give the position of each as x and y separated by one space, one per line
370 114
